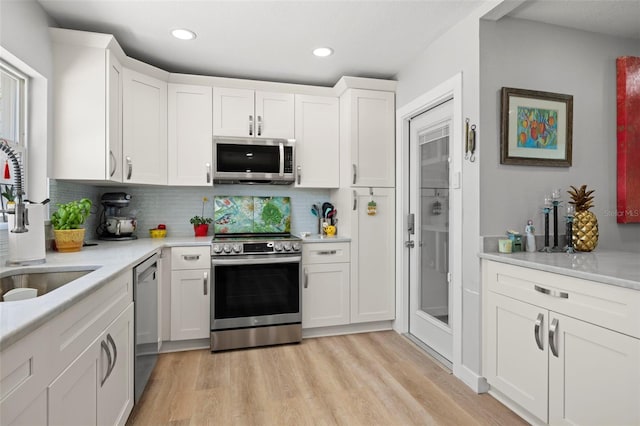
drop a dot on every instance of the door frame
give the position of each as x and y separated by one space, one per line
449 89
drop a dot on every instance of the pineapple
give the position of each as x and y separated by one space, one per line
585 223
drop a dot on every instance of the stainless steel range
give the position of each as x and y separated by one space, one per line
256 295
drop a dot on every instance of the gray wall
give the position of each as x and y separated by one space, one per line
528 55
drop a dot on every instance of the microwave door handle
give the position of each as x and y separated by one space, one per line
281 147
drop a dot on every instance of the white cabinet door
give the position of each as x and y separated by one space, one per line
247 113
233 112
371 136
144 124
190 132
87 101
274 115
317 134
325 295
115 395
114 119
190 304
373 256
73 394
594 375
516 362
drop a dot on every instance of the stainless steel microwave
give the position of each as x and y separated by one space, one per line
252 160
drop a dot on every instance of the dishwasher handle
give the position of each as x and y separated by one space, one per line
145 274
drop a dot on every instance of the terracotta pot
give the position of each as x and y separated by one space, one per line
201 230
69 240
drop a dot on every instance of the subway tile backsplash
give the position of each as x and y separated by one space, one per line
174 206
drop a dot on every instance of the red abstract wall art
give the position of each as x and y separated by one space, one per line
628 132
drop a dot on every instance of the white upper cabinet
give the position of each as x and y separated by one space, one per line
87 102
249 113
190 131
144 141
369 129
317 137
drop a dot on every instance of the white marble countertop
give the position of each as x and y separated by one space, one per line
108 258
609 267
317 238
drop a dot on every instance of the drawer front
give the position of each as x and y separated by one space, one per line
609 306
197 257
75 329
315 253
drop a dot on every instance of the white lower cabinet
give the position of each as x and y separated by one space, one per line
546 351
95 388
326 290
190 292
77 369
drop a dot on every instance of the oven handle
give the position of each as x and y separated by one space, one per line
245 261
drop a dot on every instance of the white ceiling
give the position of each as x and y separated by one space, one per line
273 40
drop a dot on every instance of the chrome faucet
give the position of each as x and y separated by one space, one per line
21 212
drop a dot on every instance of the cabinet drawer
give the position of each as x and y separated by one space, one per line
609 306
190 257
325 253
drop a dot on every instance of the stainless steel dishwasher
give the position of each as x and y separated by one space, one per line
145 297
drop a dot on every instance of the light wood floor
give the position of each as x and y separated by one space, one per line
361 379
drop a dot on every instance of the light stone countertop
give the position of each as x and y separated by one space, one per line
617 268
109 258
317 238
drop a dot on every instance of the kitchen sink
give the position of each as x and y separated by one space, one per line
43 281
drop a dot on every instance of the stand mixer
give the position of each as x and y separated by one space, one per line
113 226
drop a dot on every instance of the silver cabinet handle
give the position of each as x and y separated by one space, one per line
129 167
191 256
281 151
355 201
324 252
306 278
554 293
105 348
206 282
299 169
115 353
259 125
552 337
251 125
208 167
113 163
537 331
354 173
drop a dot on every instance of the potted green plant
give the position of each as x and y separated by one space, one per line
201 223
10 194
66 223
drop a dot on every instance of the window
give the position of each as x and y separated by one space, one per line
12 126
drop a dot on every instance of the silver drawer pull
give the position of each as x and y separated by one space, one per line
554 293
191 257
328 252
553 332
537 329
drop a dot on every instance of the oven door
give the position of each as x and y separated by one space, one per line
255 290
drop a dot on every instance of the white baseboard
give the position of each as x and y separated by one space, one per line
184 345
477 383
337 330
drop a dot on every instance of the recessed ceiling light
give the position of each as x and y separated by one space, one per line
323 51
183 34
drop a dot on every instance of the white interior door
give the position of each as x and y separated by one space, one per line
430 300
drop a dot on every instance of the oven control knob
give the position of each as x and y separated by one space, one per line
237 248
287 246
227 248
296 246
277 246
217 248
